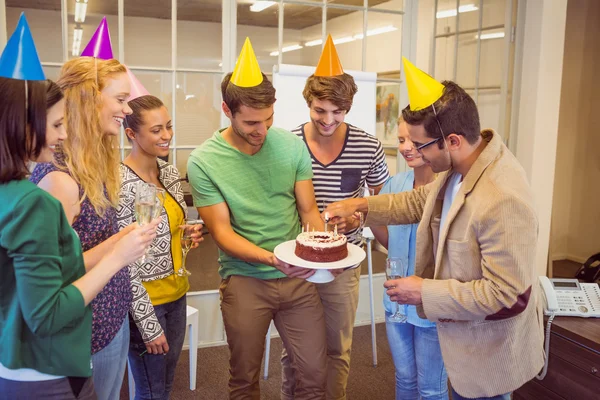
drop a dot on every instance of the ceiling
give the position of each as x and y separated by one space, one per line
296 16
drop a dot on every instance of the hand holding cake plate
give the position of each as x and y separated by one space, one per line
287 253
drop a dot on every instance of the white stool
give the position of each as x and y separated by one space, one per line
192 326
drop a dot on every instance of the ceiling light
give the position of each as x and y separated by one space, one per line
344 39
376 31
452 12
314 43
80 9
496 35
286 49
77 34
261 5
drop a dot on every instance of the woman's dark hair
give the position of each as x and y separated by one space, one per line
148 102
54 94
22 126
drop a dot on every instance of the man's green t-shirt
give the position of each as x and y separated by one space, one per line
258 189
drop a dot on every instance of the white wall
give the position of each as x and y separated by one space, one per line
45 28
576 208
539 107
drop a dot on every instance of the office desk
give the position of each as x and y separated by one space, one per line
574 364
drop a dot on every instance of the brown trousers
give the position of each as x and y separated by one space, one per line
248 306
340 300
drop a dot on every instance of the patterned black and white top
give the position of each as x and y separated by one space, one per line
161 266
361 160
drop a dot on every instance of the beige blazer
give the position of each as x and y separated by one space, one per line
480 282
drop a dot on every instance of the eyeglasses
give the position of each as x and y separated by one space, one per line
421 147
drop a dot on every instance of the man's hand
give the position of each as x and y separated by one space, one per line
347 224
290 270
335 213
196 234
158 345
405 290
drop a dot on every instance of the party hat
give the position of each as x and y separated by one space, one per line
19 59
423 90
247 71
329 63
99 46
137 89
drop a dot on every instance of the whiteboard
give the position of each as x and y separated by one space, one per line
291 109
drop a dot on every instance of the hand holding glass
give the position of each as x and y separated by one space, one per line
396 268
186 244
365 192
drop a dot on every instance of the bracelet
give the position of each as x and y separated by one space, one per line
362 220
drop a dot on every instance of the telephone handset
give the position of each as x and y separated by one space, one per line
568 297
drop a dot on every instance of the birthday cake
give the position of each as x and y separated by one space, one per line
321 246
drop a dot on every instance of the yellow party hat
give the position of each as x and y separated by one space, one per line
329 62
423 90
247 71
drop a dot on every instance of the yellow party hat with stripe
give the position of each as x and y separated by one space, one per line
423 90
247 72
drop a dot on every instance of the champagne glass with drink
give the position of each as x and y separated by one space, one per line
161 195
186 244
396 268
145 205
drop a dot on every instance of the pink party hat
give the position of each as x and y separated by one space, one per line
99 46
137 89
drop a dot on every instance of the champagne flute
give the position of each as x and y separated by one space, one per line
364 192
161 195
396 268
186 244
145 205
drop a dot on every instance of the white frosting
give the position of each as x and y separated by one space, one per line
310 239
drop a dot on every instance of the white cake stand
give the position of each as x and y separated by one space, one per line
285 252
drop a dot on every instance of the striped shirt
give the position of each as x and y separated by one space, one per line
361 160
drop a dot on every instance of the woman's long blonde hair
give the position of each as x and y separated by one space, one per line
91 156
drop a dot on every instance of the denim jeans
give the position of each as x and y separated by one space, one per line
154 373
456 396
420 371
109 365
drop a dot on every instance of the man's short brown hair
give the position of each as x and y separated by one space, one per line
456 111
339 90
260 96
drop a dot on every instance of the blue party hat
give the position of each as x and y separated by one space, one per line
19 59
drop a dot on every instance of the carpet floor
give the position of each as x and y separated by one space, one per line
365 382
